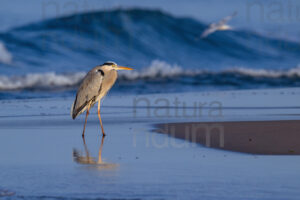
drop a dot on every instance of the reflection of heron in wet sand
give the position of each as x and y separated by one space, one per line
219 26
88 160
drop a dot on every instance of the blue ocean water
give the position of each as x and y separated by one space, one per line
49 58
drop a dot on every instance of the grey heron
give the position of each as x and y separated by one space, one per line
93 88
219 26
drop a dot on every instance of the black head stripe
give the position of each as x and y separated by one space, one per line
101 71
109 63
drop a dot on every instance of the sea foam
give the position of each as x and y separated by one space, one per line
156 70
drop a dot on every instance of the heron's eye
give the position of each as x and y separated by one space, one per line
101 71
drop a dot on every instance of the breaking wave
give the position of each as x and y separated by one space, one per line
56 53
164 73
40 81
136 37
161 69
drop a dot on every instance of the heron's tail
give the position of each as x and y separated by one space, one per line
77 111
72 111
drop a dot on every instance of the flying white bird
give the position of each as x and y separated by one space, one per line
219 26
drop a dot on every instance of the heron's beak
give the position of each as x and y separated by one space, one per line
123 68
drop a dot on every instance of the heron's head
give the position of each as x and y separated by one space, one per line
109 65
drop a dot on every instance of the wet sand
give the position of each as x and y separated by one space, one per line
255 137
44 157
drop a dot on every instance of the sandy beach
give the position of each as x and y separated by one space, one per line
44 157
255 137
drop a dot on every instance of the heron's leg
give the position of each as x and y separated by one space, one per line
87 113
100 118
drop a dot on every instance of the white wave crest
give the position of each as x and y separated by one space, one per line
46 80
163 69
157 69
5 55
293 72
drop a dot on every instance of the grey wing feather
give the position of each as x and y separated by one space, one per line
212 28
87 93
226 19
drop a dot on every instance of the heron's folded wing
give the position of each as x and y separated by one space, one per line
87 93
